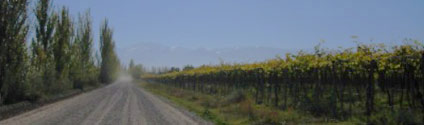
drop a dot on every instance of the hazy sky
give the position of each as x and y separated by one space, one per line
256 23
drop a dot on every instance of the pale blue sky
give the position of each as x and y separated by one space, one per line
281 24
274 23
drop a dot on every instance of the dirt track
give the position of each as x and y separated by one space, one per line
120 103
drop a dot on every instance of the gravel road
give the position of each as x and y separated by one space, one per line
120 103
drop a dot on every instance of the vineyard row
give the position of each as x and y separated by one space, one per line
363 80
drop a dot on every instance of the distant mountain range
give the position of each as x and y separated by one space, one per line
157 55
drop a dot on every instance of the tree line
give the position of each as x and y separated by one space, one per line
372 82
57 57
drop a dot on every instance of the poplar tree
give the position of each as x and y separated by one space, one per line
83 67
13 56
109 60
42 45
62 49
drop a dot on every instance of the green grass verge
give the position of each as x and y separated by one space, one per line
233 109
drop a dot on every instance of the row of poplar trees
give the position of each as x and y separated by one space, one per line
50 54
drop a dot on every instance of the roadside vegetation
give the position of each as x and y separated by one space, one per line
368 84
57 58
235 108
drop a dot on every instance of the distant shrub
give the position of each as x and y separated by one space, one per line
210 103
246 107
235 97
193 98
316 108
405 117
400 117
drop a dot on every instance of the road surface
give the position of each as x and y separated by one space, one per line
120 103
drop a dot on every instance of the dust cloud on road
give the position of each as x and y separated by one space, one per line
120 103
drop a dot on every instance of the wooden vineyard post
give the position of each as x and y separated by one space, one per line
420 95
256 75
259 85
422 64
370 89
276 84
422 81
